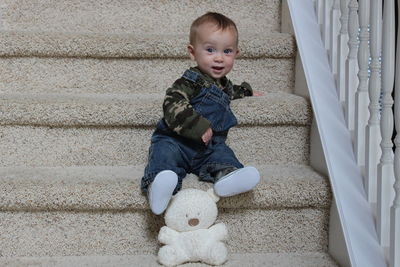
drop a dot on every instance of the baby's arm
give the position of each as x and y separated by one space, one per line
180 116
243 90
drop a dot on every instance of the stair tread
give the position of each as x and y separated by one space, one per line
138 110
111 45
305 259
117 188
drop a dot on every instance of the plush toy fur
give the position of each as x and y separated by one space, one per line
188 235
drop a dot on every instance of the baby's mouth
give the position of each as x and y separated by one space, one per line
217 68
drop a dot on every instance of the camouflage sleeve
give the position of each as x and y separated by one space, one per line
240 91
180 115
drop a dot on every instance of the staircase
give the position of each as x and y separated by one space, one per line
81 87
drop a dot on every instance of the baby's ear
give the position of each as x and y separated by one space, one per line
212 194
190 49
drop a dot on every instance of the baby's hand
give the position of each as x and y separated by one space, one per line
206 137
258 93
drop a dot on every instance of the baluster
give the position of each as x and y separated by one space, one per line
319 7
343 50
327 5
362 100
385 167
334 31
315 3
373 134
351 80
394 258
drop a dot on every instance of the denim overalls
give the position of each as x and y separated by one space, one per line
169 151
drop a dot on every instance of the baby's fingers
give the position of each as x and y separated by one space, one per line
258 93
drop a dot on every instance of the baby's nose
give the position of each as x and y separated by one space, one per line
218 57
193 222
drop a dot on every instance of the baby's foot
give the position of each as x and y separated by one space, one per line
161 190
237 182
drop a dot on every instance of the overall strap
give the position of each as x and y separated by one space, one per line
197 81
195 78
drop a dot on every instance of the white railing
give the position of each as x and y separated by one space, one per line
361 50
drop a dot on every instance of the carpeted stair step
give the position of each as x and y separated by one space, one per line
139 16
305 259
40 62
101 211
134 46
138 110
60 146
65 130
84 188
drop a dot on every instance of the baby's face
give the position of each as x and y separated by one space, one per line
214 50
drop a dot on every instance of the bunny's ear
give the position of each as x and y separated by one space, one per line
212 194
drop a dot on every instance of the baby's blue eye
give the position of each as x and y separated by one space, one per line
210 50
228 51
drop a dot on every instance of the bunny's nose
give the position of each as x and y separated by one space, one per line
193 222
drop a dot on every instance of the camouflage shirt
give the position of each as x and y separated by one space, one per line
181 117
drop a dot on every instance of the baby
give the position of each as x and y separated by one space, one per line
191 136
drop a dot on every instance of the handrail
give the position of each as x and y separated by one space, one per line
365 88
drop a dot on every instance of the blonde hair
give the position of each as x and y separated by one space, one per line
221 21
